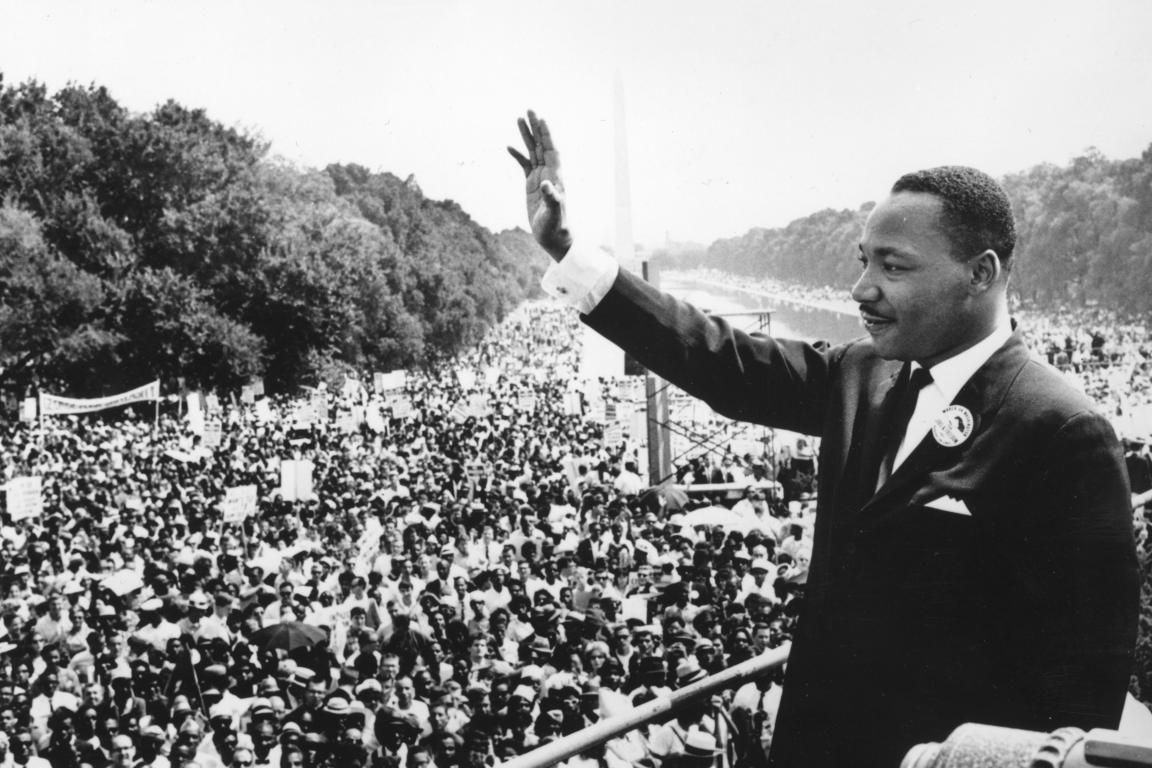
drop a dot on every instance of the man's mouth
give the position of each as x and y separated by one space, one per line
874 322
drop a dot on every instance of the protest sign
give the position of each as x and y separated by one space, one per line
247 394
346 422
392 380
28 409
296 480
320 407
374 418
635 607
478 406
572 404
401 408
24 498
239 503
213 433
466 377
459 412
303 415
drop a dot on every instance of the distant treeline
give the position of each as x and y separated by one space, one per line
1084 238
166 244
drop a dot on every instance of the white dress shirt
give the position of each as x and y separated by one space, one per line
948 378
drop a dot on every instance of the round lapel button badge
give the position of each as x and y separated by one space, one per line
953 426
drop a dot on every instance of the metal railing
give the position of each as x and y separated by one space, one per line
658 709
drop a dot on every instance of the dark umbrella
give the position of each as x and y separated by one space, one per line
288 635
666 497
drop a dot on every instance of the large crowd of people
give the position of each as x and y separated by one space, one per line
471 566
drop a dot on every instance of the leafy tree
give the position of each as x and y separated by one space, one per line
51 319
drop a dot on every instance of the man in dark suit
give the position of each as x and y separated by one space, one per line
973 557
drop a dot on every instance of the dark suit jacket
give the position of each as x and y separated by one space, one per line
1021 614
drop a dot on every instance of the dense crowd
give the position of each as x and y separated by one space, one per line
476 571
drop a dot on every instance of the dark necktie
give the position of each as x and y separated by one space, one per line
901 415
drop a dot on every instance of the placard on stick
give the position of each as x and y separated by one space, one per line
239 503
24 498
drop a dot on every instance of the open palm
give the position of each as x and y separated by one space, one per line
543 187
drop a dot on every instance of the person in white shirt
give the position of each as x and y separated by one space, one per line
50 698
629 482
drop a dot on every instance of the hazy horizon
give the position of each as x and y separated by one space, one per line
748 114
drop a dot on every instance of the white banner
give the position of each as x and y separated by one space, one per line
52 405
239 503
28 409
24 498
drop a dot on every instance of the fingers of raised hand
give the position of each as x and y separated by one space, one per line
524 162
537 146
526 134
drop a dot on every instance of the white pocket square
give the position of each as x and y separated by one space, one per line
949 504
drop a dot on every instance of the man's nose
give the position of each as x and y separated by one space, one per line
865 289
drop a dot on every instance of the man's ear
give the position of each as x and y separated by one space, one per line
985 270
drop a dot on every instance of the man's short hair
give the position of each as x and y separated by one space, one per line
977 213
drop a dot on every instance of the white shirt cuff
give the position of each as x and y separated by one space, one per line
582 278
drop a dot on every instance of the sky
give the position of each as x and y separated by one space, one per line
738 114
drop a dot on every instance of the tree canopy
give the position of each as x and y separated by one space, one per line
1084 237
166 244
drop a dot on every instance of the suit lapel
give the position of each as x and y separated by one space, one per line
981 396
867 448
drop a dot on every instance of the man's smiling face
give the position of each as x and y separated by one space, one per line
914 293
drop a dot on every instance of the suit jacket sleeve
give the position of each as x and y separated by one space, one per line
749 377
1075 587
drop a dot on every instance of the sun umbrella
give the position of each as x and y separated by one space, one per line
288 635
716 516
663 497
122 582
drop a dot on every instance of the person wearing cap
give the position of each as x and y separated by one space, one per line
153 744
671 737
758 581
708 656
154 628
698 750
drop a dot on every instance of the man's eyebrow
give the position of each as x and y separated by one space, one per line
884 250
